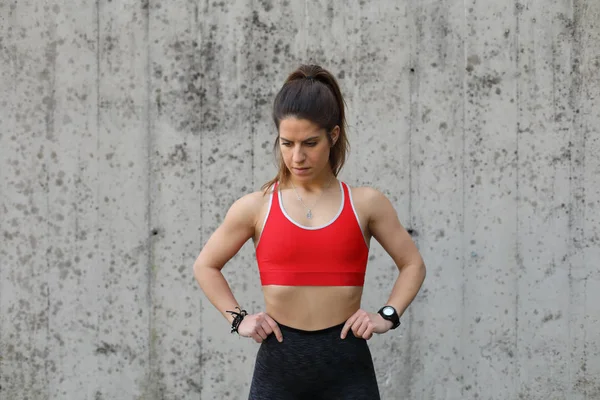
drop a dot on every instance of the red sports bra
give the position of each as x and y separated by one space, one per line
294 255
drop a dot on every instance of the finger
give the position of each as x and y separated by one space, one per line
256 337
261 332
348 325
275 328
360 326
368 334
266 327
357 323
366 325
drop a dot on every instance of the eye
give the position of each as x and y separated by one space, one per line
286 144
311 144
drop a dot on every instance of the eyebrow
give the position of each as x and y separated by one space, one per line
305 140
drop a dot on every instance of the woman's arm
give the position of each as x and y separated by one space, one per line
224 243
239 226
385 227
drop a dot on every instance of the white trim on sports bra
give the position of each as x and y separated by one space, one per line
356 214
266 217
312 228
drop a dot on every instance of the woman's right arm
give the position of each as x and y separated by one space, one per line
238 226
224 243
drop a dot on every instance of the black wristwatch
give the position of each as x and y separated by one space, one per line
389 313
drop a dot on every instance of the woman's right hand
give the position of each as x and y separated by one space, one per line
258 327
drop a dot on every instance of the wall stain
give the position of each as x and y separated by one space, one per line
178 156
549 317
472 62
106 348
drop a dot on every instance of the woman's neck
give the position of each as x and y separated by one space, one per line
321 182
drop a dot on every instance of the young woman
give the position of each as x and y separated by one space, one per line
311 234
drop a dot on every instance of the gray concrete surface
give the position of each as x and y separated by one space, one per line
127 128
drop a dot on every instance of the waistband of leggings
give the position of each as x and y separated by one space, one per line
335 328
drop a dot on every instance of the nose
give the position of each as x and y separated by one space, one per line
298 156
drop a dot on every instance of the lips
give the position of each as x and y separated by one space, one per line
301 171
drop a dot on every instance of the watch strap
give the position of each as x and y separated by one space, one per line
394 318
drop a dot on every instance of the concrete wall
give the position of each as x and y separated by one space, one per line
127 128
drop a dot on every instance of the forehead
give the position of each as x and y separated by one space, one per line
295 129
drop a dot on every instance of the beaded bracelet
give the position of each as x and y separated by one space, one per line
237 319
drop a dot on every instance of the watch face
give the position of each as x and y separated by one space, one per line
389 311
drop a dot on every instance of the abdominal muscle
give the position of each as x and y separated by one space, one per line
311 307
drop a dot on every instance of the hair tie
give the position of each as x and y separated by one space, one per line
310 77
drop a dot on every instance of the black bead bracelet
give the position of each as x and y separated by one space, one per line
237 319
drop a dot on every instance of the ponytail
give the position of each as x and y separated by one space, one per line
311 93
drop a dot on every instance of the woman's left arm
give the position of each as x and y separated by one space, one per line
386 228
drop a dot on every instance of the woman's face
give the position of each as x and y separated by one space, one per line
304 147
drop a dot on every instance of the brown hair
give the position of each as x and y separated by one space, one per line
311 93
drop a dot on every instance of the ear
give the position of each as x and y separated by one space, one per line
335 134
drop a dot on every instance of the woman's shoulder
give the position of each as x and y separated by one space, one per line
364 193
368 199
370 202
253 202
246 210
255 199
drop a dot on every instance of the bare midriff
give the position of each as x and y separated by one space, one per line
311 307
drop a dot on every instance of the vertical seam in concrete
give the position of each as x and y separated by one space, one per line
4 199
574 88
570 220
576 194
583 260
253 113
463 169
305 31
516 375
152 376
411 79
97 152
47 283
354 68
581 201
49 136
202 113
410 127
202 77
553 65
202 106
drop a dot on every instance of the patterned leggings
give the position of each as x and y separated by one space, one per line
314 365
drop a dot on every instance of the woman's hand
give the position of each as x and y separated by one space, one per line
363 324
258 327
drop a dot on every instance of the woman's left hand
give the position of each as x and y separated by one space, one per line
363 324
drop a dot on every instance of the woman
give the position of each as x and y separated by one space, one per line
311 234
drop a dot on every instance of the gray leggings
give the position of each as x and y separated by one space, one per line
314 365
